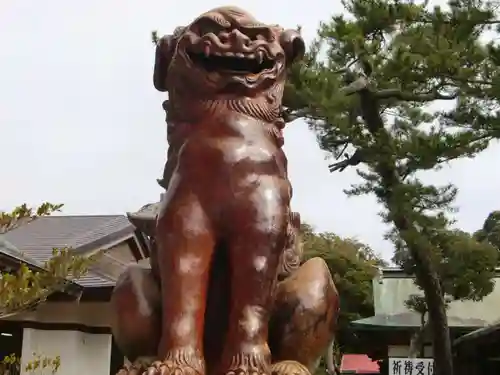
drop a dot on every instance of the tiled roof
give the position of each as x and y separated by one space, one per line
11 251
35 240
145 218
93 280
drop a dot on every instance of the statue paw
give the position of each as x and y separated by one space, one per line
247 371
254 361
173 367
135 368
289 368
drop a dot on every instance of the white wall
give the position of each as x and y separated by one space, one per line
389 294
80 353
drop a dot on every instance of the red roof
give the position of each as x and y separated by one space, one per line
358 364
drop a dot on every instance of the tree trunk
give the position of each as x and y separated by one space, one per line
417 340
418 245
438 322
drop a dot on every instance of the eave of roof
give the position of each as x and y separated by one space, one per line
396 272
492 329
411 320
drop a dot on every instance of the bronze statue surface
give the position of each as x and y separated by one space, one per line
226 292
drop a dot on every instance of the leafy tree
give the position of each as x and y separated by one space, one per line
39 365
28 286
398 88
490 231
466 267
353 266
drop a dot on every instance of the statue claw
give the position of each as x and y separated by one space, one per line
135 368
168 367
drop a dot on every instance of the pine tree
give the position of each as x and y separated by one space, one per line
490 232
398 88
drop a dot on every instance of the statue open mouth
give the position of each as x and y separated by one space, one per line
224 50
233 62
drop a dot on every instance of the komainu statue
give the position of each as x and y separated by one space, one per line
226 293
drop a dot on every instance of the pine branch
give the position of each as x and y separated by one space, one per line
363 83
356 159
410 97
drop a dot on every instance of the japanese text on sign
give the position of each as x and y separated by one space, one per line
411 366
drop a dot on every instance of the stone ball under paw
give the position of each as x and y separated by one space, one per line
289 368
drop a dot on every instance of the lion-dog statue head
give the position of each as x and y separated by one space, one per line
226 56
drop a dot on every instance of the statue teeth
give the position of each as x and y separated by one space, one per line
260 56
229 54
240 55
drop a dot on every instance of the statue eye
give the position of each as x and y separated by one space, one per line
258 32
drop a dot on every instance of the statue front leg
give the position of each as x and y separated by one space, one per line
185 246
255 243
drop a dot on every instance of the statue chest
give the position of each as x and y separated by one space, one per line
237 138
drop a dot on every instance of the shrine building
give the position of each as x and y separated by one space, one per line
74 324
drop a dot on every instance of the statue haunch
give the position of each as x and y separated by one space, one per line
226 292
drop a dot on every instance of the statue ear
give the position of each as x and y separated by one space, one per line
294 46
165 49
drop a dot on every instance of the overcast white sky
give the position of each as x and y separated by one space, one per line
81 124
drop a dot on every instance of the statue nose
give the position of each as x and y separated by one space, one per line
239 39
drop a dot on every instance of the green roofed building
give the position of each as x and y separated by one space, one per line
74 323
473 325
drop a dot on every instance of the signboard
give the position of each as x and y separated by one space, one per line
411 366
